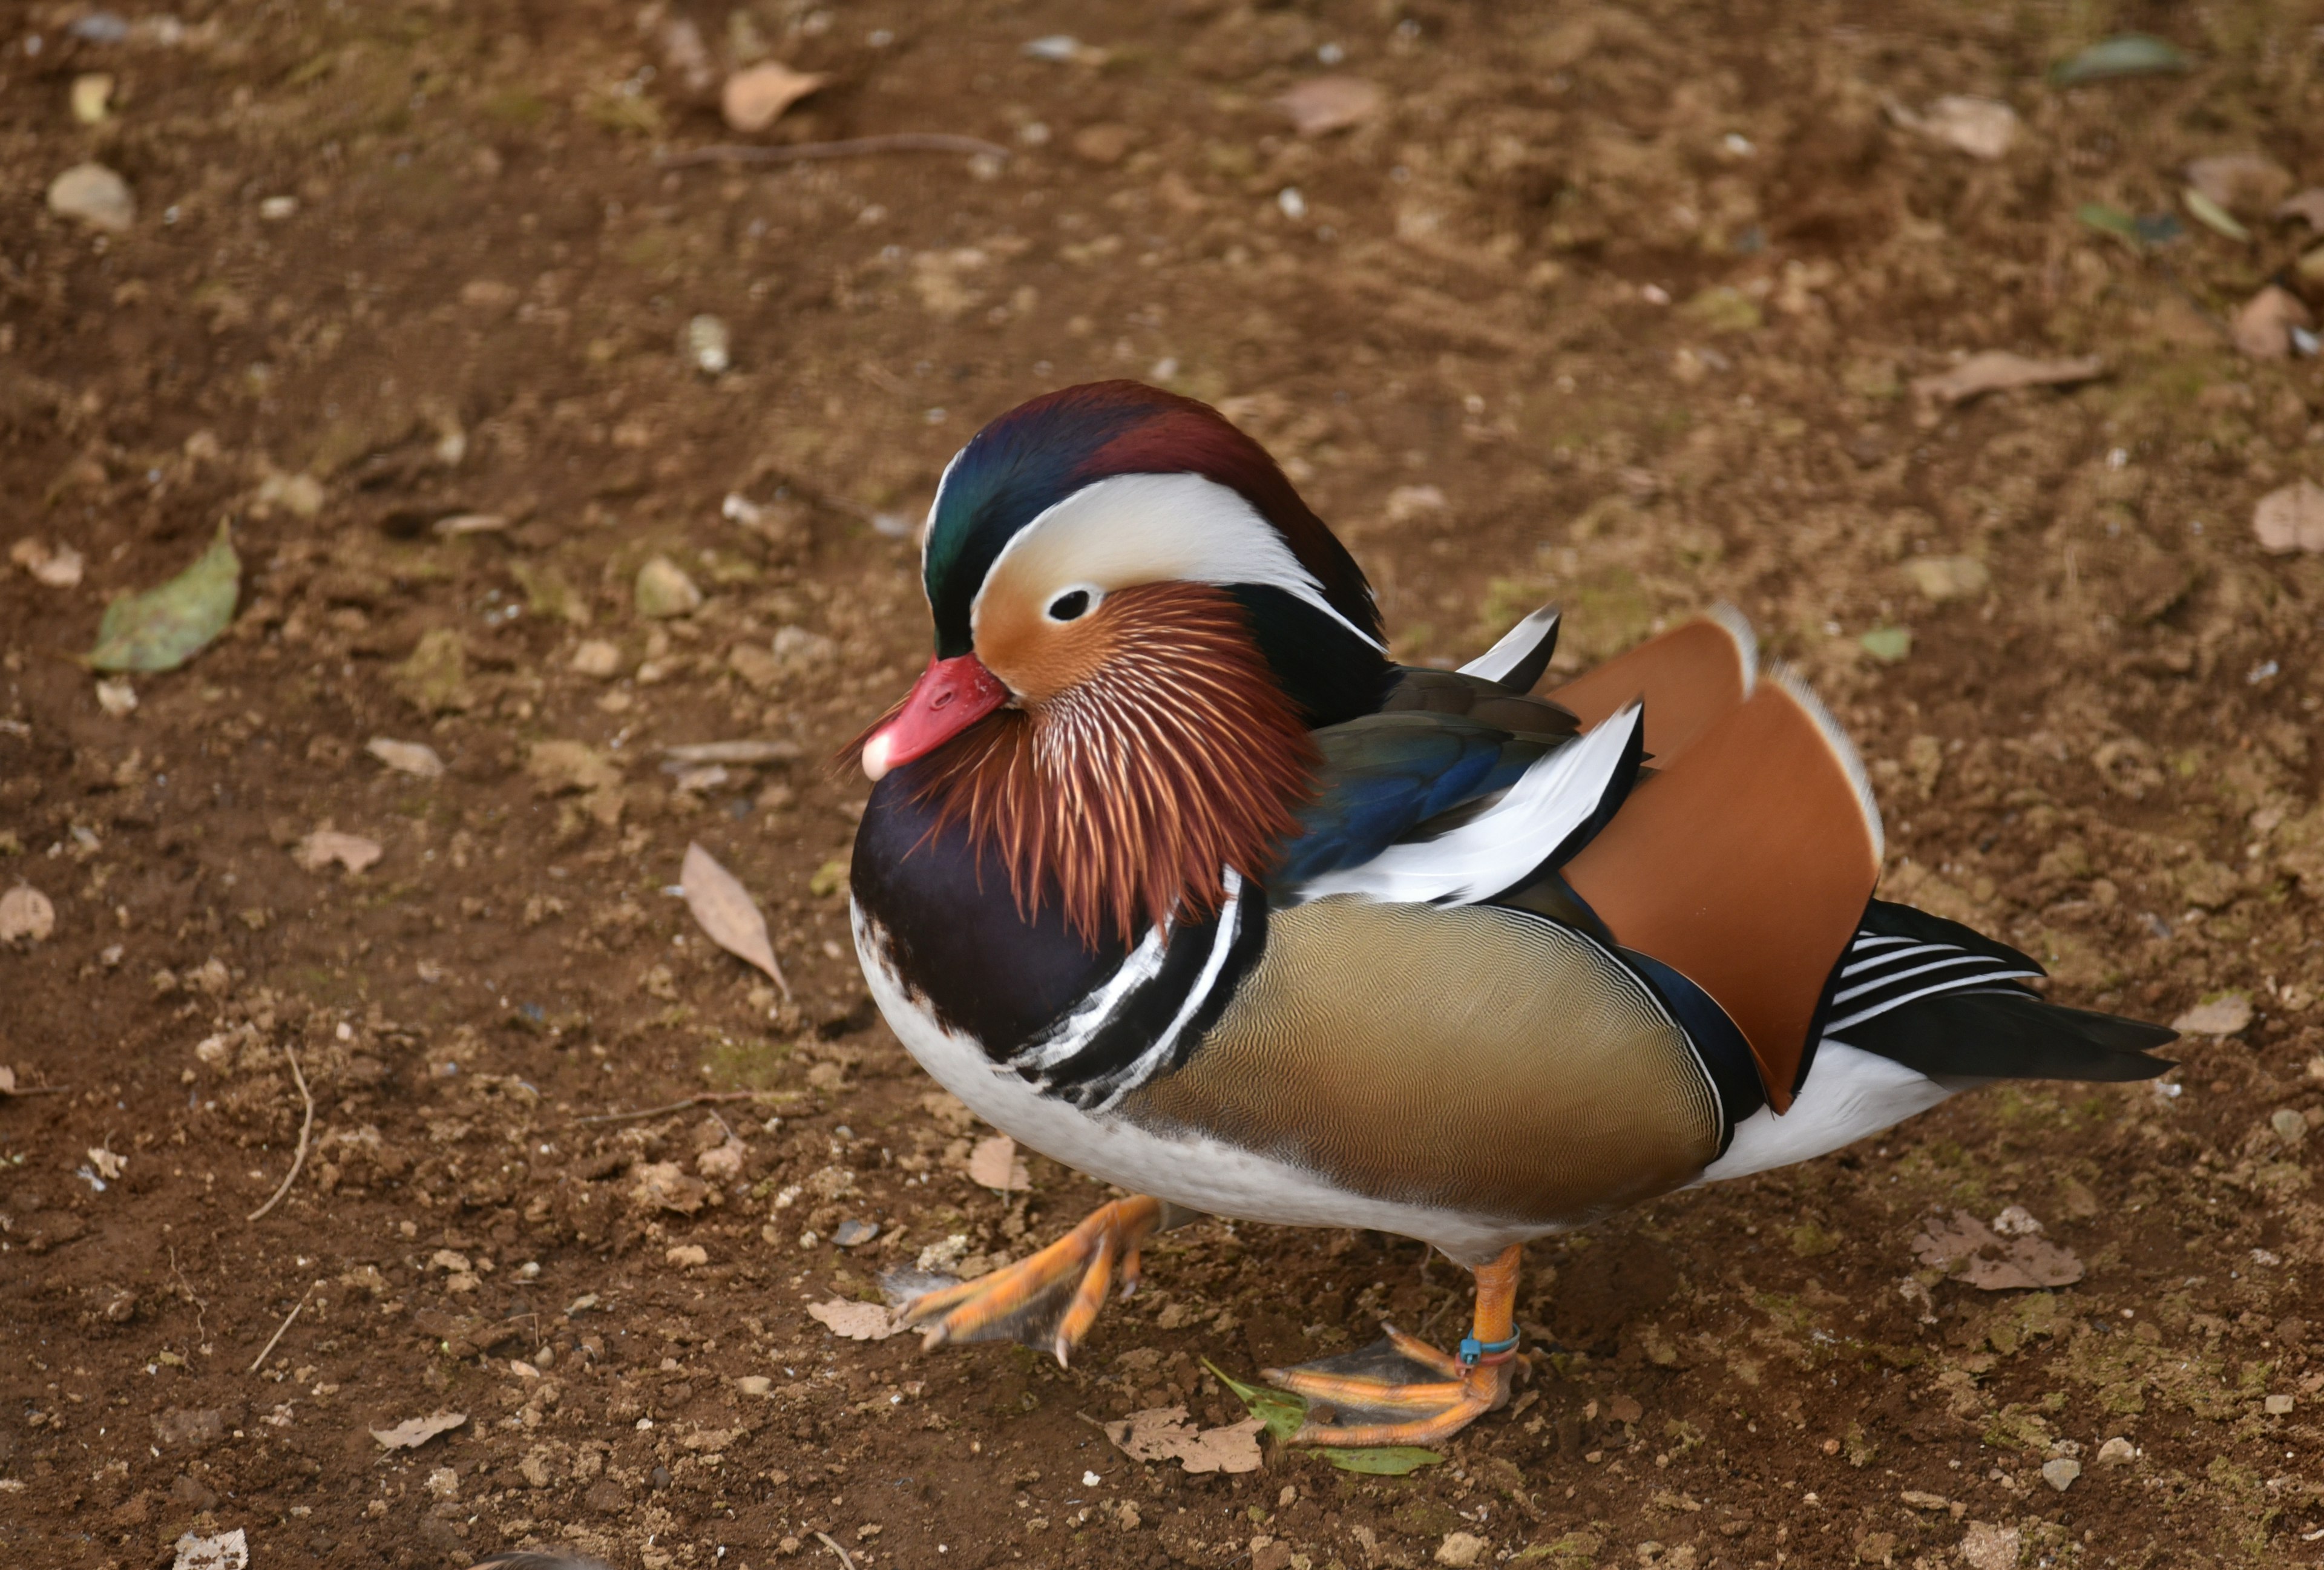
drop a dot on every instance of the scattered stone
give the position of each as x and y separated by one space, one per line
2241 182
721 1163
1323 105
92 97
687 1255
2307 205
116 696
558 767
320 849
2117 1451
274 209
94 195
2224 1015
707 344
662 1186
754 1385
1949 577
664 591
216 1551
745 754
2262 326
2061 1474
2290 1126
59 567
1915 1499
26 915
2000 371
1461 1549
2290 518
1103 144
415 758
1986 1546
597 658
755 97
435 680
850 1233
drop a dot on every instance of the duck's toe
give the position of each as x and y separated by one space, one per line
1047 1300
1398 1391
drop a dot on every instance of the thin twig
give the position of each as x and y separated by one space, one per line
283 1326
36 1090
703 1100
854 147
832 1544
305 1129
201 1306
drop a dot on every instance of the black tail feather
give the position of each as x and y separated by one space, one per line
2009 1034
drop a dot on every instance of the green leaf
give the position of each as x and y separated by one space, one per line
162 628
1887 644
1284 1413
1387 1460
2127 54
2109 220
2211 215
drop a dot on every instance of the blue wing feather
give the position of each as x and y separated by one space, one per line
1384 774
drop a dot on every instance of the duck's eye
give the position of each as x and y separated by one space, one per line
1069 606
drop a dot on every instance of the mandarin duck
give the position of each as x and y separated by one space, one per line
1170 872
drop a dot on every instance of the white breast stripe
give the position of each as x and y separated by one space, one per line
1502 844
1222 944
1087 1020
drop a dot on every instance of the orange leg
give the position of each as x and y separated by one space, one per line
1399 1411
1050 1299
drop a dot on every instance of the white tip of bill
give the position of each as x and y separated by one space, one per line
875 756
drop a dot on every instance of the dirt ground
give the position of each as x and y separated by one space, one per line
1616 306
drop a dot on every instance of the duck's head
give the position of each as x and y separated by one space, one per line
1137 622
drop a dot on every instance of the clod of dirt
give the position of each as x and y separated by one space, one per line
94 195
435 678
1323 105
2262 326
597 658
92 97
320 849
1980 127
2224 1015
2000 371
2308 205
1949 577
1986 1546
664 1185
220 1551
162 628
994 1164
664 591
2062 1473
2241 182
1165 1434
1461 1549
707 344
59 567
1104 144
2117 1451
755 98
26 915
413 1432
726 911
856 1321
415 758
1968 1251
558 767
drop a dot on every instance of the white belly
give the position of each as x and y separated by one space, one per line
1192 1170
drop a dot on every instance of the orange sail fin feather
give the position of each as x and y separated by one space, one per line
1745 864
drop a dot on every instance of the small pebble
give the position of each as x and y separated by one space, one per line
755 1384
2278 1406
2289 1125
275 208
850 1233
2061 1474
707 344
94 195
92 96
663 590
597 658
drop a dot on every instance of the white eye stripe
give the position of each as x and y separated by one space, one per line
1141 528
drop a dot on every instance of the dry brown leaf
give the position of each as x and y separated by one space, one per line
2262 326
1999 371
2290 518
855 1321
2308 204
1323 105
725 910
994 1164
2241 182
1980 127
407 757
755 98
1967 1250
1163 1434
26 913
413 1432
352 851
58 569
2220 1016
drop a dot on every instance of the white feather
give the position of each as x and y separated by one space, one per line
1140 529
1501 844
1849 1094
1520 641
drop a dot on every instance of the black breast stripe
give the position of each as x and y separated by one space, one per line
1124 1034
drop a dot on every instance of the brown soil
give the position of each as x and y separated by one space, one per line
1612 306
